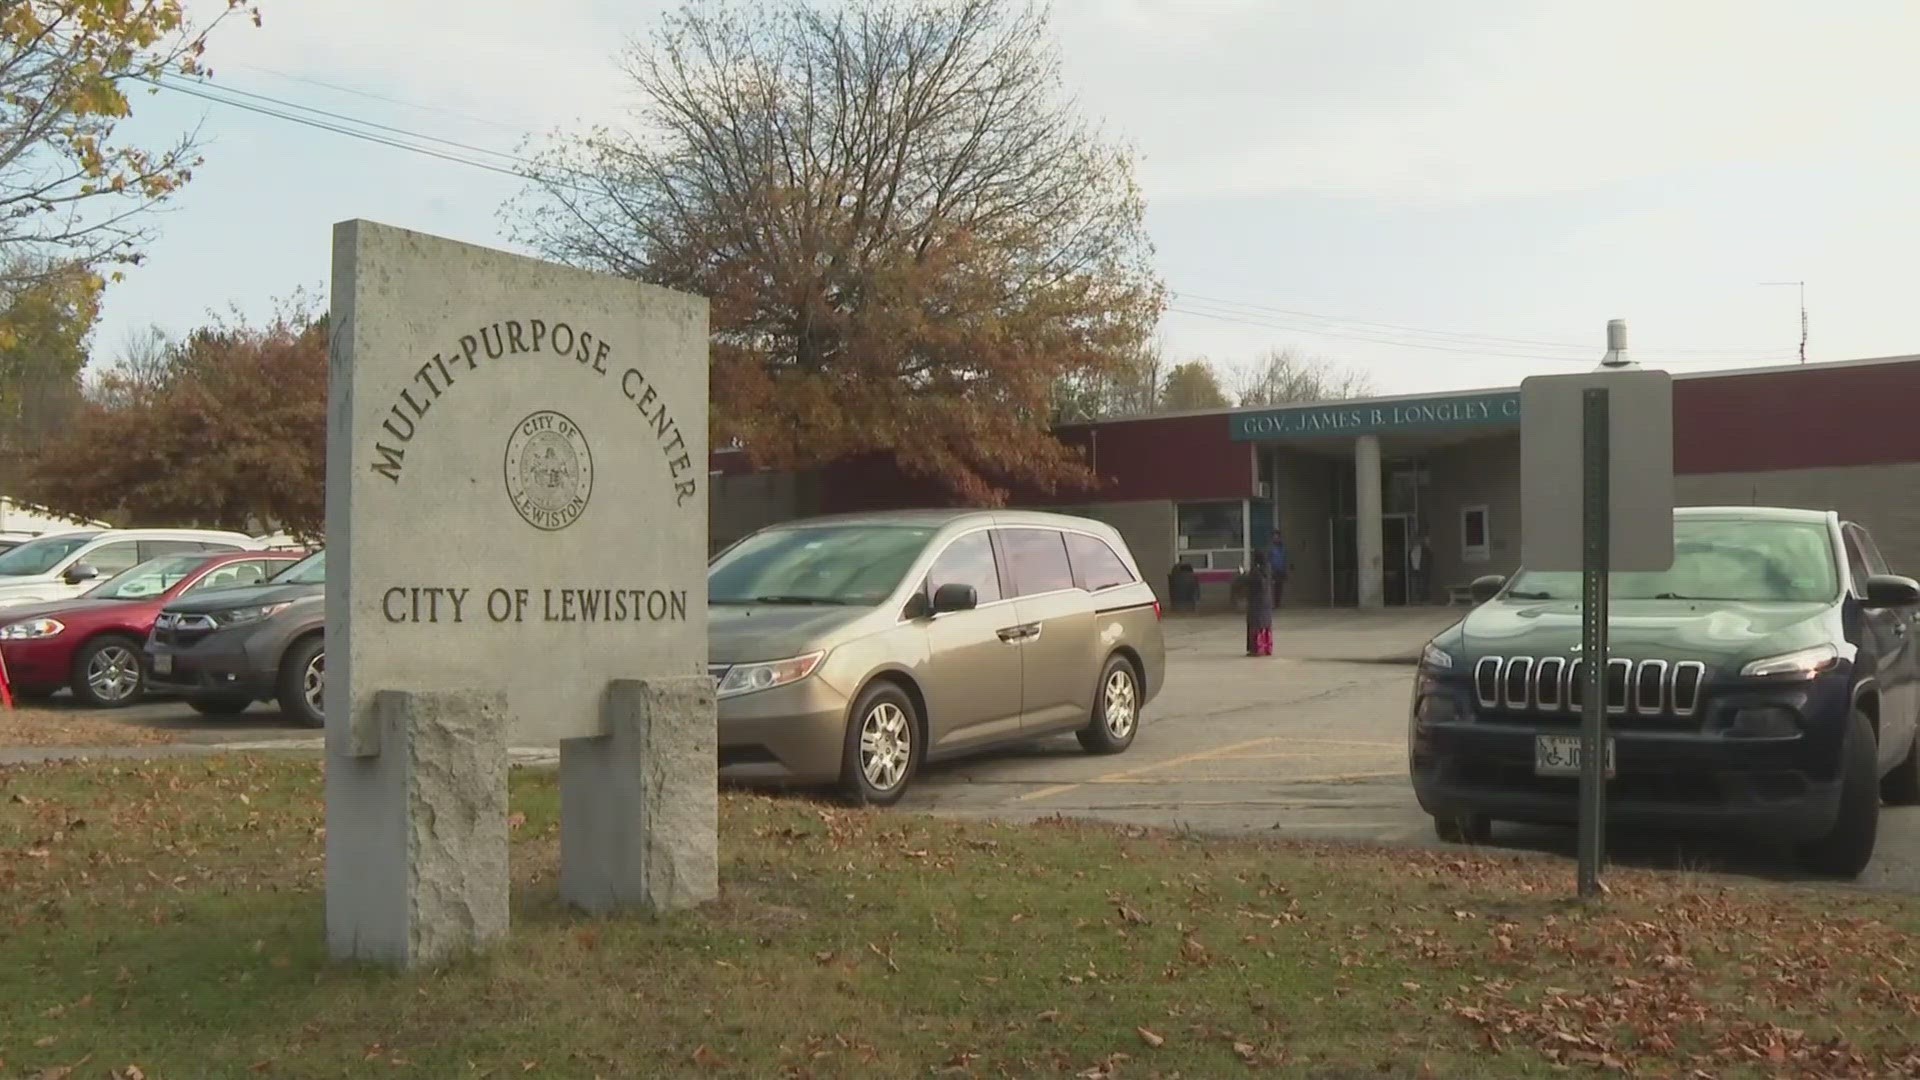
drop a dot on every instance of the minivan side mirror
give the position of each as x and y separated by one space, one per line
80 572
1892 591
1485 587
955 597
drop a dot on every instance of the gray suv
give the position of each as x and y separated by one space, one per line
228 649
851 650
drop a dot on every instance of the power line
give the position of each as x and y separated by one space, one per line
508 164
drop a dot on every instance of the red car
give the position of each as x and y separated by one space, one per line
94 642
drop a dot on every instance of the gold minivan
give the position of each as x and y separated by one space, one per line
850 650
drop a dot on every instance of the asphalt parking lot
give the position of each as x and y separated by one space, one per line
1309 743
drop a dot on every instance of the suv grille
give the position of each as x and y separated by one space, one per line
1557 685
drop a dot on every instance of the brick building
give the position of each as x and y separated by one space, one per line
1208 488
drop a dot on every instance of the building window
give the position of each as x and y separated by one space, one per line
1211 535
1474 542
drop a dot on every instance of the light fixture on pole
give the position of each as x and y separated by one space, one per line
1802 286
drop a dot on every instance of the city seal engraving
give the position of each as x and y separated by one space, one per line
549 470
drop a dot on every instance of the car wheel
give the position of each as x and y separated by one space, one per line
1116 710
219 706
1901 787
882 747
1848 846
1463 828
109 673
303 682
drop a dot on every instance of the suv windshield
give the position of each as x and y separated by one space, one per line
855 565
150 578
42 555
1716 559
311 570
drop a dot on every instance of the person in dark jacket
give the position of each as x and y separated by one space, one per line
1260 607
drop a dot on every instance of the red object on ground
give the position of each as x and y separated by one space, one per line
6 690
43 665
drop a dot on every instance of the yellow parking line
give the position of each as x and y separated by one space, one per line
1185 759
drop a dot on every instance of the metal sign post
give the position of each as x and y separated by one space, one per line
1595 466
1612 428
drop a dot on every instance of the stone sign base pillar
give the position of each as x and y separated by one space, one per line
639 805
417 828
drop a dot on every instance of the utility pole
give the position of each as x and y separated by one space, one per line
1802 286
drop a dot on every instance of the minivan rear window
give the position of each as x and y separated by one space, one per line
1036 561
1095 566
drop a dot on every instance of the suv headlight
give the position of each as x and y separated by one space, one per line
240 616
1800 664
32 629
1435 658
753 678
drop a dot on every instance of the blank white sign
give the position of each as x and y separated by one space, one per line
1640 451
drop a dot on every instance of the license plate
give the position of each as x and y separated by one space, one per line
163 664
1559 755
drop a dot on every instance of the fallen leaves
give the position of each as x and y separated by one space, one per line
1151 1038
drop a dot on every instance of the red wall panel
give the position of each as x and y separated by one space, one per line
1797 418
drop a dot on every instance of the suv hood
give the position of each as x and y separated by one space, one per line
1723 631
248 596
746 633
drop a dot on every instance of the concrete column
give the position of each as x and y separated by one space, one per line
1366 510
639 806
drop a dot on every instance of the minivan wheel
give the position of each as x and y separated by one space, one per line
1116 710
303 682
109 673
1848 846
1901 787
882 747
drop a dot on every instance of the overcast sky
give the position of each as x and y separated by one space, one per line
1443 195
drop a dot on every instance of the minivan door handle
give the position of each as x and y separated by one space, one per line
1012 634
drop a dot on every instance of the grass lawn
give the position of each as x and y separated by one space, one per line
164 921
31 726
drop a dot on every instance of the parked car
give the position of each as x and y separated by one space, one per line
226 651
852 650
93 643
64 565
1768 682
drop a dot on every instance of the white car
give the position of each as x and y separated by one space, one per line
67 564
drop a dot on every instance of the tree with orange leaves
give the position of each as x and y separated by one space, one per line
909 237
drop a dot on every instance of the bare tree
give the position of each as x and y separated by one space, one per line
1283 377
910 239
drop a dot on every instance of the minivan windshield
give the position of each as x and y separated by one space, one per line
40 556
853 565
1716 559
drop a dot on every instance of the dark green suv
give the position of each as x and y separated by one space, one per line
1768 682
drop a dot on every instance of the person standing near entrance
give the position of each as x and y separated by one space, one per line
1419 564
1276 559
1260 593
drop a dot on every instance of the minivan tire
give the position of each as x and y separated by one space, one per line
1901 787
897 730
1116 709
1848 847
128 651
304 655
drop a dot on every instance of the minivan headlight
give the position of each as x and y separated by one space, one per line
753 678
1801 664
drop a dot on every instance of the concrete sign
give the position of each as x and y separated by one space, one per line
517 523
1640 485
